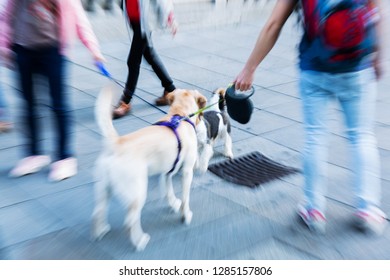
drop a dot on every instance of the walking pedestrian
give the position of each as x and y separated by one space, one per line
107 5
38 33
339 57
138 16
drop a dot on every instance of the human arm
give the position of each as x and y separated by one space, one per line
85 32
377 64
166 10
265 42
6 33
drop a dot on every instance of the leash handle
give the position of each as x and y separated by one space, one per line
231 91
102 69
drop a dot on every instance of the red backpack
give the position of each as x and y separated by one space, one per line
342 31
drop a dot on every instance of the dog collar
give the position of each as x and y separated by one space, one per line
173 124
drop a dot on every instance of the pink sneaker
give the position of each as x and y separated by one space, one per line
63 169
371 219
313 218
29 165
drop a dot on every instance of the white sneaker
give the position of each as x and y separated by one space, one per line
29 165
63 169
314 219
371 220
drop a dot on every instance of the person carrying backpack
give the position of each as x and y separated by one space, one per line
339 58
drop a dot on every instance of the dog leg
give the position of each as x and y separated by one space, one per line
228 146
134 202
173 201
205 157
133 222
185 207
100 226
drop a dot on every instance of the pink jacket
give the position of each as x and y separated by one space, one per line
73 22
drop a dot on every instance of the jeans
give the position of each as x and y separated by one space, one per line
356 94
141 47
50 63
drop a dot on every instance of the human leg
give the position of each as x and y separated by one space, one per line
25 60
158 67
34 160
315 101
108 5
357 97
133 65
65 165
54 69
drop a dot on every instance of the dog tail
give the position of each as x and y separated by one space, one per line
103 112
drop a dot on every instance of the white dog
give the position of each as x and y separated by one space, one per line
214 126
127 161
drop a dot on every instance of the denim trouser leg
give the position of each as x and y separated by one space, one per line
356 93
26 68
358 106
50 63
315 102
54 69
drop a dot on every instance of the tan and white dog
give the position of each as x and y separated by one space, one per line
127 161
214 127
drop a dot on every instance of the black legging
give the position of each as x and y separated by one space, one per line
140 47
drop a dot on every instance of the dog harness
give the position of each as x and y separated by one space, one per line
173 124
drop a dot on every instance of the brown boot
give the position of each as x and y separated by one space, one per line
121 110
163 100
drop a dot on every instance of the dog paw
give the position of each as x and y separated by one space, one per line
203 168
144 240
100 231
175 205
187 218
229 155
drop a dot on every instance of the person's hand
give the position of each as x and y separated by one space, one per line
244 80
102 68
172 24
99 58
378 67
174 27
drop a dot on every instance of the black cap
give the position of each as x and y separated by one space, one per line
239 106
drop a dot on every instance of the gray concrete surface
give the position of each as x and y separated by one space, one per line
42 220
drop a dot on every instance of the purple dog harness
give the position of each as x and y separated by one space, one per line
173 124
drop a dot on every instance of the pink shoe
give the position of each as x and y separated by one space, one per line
29 165
371 219
63 169
313 218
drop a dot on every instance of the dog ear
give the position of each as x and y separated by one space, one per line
171 97
222 103
201 100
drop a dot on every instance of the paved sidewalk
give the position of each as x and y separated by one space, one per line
42 220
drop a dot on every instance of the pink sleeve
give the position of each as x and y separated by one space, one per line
85 31
5 27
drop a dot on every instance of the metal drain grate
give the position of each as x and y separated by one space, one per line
251 170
